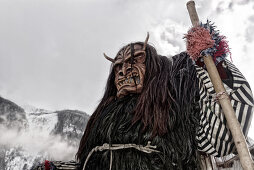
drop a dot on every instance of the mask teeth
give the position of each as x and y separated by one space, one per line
130 80
137 79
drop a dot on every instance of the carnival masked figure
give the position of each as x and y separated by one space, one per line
160 113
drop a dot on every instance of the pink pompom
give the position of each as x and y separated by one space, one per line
47 165
198 39
222 48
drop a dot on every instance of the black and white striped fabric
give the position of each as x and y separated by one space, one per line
214 137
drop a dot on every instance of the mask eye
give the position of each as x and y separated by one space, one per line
121 74
117 67
140 58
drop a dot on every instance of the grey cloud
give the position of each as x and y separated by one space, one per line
251 18
230 5
243 2
173 37
224 5
249 34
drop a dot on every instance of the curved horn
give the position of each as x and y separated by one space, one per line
108 58
145 43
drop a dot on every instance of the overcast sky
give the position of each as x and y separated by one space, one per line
51 50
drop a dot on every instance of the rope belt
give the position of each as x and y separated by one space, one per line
147 149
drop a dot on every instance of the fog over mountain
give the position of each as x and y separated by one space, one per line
28 135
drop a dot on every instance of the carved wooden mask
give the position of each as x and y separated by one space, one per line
129 68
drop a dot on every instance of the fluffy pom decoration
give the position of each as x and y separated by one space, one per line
204 40
198 39
222 49
47 165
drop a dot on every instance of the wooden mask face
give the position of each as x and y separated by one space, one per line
129 68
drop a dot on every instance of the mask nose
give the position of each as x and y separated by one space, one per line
126 69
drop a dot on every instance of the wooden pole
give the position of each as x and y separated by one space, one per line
232 122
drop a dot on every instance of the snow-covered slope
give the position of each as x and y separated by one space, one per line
29 135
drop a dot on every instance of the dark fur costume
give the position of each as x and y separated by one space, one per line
115 125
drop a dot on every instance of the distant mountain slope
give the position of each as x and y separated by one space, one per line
70 124
12 115
30 135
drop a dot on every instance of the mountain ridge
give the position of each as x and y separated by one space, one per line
31 135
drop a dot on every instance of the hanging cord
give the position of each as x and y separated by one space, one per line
221 95
147 149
